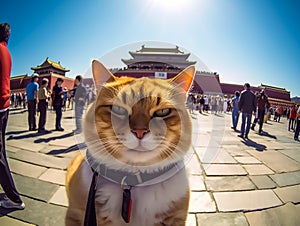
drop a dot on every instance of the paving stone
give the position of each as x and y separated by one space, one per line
276 161
292 153
289 194
35 188
12 149
25 169
193 166
229 183
196 183
67 142
246 200
8 221
221 219
285 179
214 156
274 145
41 213
201 202
223 169
25 144
286 215
41 159
54 176
237 152
263 182
247 160
257 169
191 220
60 197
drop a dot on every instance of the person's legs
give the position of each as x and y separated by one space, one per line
243 124
249 117
290 122
43 112
78 117
235 117
6 179
293 124
297 129
58 112
279 116
261 114
29 114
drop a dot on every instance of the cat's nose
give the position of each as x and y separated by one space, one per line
140 133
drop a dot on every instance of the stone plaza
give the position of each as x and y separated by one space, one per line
253 182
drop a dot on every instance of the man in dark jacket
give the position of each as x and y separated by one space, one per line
262 105
247 105
79 98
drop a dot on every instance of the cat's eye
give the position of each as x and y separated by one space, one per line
118 110
162 112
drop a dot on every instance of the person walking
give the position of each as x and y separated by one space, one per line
57 94
79 99
12 199
235 109
262 105
297 129
292 118
280 113
32 99
247 105
43 96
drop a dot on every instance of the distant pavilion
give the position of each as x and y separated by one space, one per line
165 63
48 69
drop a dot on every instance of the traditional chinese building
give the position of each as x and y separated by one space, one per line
277 96
48 69
165 63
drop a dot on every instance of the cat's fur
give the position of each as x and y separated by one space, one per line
134 136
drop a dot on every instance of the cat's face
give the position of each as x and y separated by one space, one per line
142 121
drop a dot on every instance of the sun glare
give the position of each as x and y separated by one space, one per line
171 5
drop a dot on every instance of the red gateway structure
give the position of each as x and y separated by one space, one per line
48 69
161 63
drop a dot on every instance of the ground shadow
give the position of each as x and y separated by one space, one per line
3 211
75 147
204 114
219 115
68 117
47 140
16 132
29 135
266 134
17 112
251 143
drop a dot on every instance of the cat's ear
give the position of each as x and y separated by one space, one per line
101 74
185 78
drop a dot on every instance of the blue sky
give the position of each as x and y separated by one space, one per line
256 41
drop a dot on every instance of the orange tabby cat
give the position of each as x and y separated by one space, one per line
137 133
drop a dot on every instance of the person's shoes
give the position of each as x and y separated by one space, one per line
246 137
252 128
60 129
296 139
241 136
32 129
8 204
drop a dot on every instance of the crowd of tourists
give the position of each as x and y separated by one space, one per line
249 105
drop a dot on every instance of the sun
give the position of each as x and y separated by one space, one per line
170 5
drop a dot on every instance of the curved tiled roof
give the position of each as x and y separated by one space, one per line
50 63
